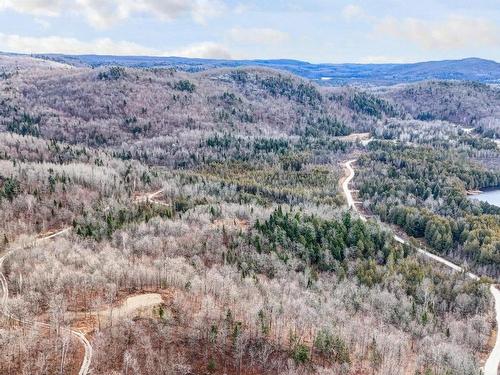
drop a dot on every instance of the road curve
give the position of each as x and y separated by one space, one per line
87 358
80 336
493 361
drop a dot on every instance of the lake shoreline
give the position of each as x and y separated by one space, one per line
490 195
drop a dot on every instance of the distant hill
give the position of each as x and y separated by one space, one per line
471 104
470 69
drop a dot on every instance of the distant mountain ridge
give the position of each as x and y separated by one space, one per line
469 69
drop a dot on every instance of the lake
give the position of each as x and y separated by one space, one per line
492 197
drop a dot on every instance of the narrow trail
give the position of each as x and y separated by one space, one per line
493 361
131 306
87 358
151 198
148 196
80 336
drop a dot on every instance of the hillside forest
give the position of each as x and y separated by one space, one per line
207 231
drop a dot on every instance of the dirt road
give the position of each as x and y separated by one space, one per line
493 361
87 358
80 336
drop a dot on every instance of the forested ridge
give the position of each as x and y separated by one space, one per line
471 104
219 192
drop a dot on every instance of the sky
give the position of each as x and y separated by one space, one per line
320 31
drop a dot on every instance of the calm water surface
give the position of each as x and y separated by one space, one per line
492 197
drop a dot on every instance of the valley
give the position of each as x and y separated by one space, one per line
493 360
163 221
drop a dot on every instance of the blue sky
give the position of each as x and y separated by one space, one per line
315 30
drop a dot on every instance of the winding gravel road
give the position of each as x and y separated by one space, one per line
80 336
493 361
87 358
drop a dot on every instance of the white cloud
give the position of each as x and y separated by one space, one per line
202 10
44 24
352 11
258 35
49 8
207 50
104 13
103 46
453 33
57 44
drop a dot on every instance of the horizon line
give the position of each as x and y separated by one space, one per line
242 60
